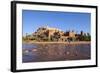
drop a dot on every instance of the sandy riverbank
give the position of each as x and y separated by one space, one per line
78 42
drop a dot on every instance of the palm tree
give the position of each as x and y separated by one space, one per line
56 36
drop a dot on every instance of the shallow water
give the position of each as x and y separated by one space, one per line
55 52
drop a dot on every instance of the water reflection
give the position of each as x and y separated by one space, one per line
55 52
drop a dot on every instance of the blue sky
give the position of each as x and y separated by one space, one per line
32 20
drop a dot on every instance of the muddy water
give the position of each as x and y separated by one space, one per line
55 52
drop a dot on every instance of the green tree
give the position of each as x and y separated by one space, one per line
56 36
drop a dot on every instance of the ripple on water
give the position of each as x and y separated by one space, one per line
55 52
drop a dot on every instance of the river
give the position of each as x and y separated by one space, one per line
55 52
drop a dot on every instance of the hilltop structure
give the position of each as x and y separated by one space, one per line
54 34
